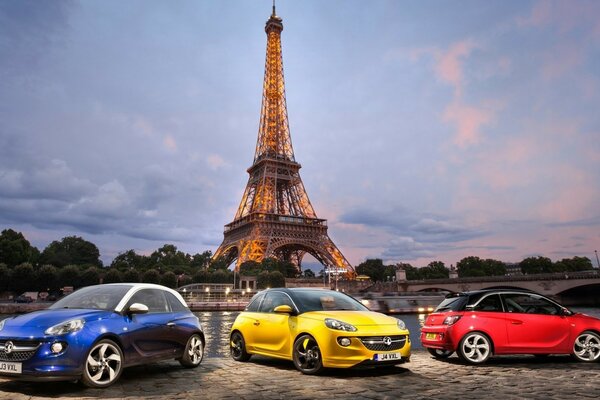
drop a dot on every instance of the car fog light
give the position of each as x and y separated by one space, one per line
57 347
344 341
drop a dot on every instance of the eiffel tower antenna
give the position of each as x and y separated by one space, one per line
275 218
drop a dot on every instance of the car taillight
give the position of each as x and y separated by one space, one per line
451 320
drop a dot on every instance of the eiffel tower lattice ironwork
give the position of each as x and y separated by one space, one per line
275 217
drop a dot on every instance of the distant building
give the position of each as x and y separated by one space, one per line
513 269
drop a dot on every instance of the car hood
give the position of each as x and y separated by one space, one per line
47 318
356 318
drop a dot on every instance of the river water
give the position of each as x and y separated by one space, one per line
217 325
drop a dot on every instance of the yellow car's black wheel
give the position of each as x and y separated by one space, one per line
237 347
307 355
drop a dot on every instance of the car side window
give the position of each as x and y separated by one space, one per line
175 304
530 304
275 299
154 299
255 303
489 303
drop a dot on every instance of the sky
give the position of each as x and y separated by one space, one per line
426 130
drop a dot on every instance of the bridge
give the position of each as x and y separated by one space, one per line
569 287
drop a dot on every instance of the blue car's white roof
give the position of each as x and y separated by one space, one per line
135 287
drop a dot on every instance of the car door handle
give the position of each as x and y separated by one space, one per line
256 323
516 322
171 324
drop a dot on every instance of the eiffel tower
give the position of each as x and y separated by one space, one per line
275 217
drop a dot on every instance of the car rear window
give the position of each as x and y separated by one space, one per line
454 303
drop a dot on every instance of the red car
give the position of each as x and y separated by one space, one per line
483 323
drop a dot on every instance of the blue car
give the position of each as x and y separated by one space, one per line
95 332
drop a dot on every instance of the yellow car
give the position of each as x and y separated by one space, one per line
317 328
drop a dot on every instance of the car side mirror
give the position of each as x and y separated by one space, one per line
137 308
565 311
283 309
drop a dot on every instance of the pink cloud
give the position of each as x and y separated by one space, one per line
449 67
468 121
170 143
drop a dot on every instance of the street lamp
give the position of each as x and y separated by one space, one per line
597 260
207 290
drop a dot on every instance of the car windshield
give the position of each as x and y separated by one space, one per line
455 303
325 300
101 297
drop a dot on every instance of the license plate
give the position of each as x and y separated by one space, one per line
387 356
10 367
431 336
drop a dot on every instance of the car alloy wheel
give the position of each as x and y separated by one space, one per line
439 353
103 364
475 348
237 347
587 347
307 355
193 353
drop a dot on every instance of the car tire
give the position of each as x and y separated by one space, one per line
307 355
586 347
475 348
103 364
193 353
237 347
439 353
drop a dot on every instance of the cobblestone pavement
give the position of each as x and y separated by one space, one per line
555 377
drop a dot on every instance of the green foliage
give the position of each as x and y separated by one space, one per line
277 279
250 268
536 265
308 273
130 259
151 276
131 276
263 280
69 276
89 277
169 279
573 264
113 275
434 270
4 277
22 278
47 278
168 255
15 249
71 250
201 277
375 269
475 266
201 260
221 276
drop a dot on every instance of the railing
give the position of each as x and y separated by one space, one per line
511 278
288 219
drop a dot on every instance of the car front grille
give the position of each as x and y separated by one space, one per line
20 350
378 343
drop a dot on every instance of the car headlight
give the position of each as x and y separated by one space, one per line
73 325
339 325
2 323
401 324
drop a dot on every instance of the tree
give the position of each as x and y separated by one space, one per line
536 265
130 259
309 273
493 267
69 275
573 264
90 276
71 250
169 279
47 278
22 278
375 269
263 280
434 270
470 266
277 279
250 268
131 275
201 260
201 276
15 249
151 276
221 276
168 255
4 277
412 273
113 275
